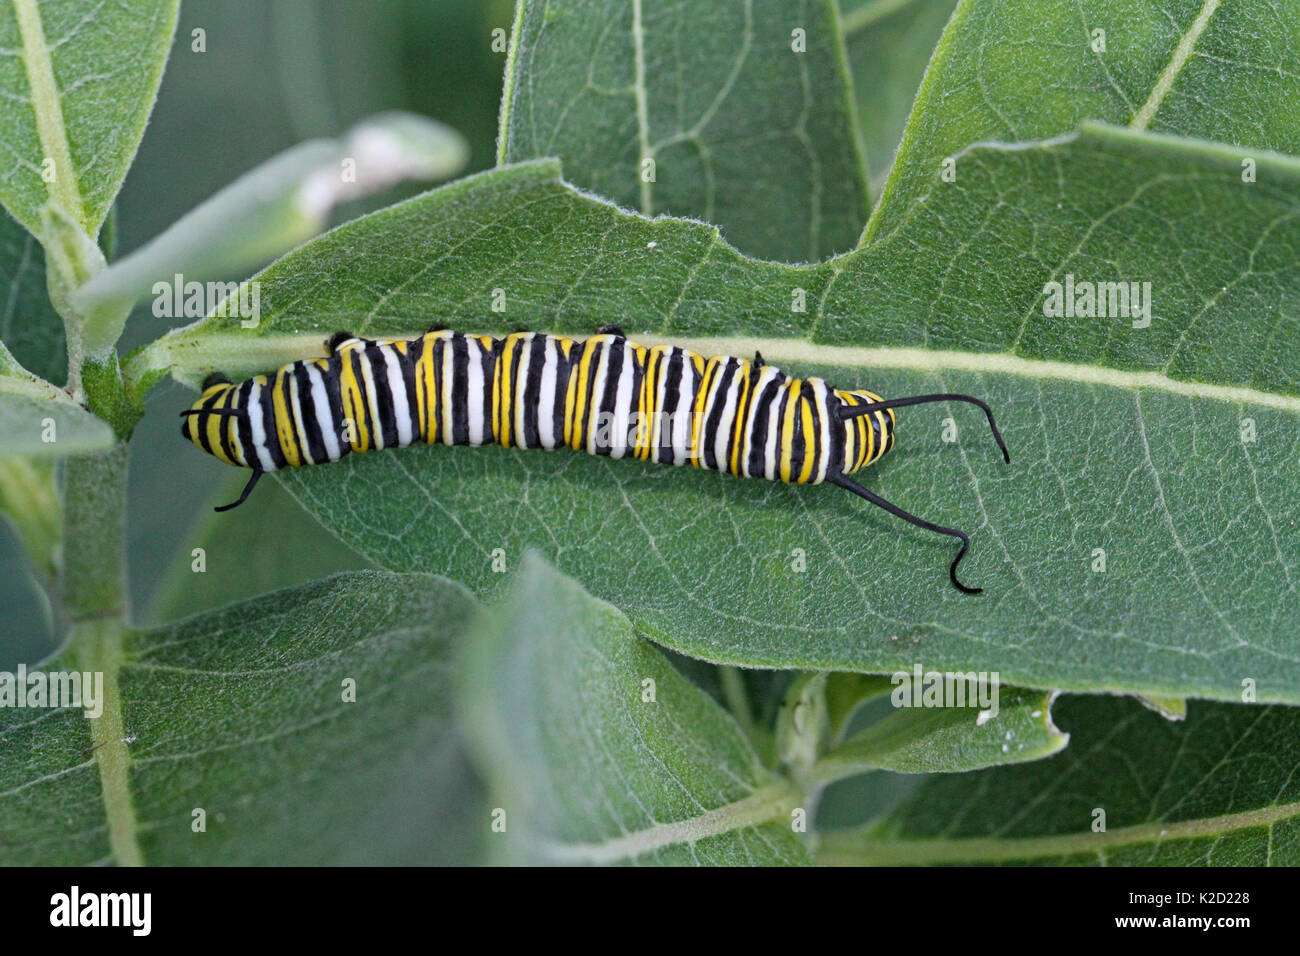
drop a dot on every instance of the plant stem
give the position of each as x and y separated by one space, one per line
94 602
94 509
737 697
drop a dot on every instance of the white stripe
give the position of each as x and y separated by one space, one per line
475 403
723 434
546 400
444 400
320 398
684 413
657 420
372 401
257 422
401 401
622 407
822 391
593 400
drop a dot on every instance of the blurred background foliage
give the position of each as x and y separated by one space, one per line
274 74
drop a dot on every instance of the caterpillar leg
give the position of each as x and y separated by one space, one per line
893 509
248 488
853 411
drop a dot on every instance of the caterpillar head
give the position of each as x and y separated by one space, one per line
866 437
212 429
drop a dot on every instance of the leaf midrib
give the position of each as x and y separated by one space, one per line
101 650
862 849
271 351
765 805
47 106
1186 43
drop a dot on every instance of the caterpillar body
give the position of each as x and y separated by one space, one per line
604 394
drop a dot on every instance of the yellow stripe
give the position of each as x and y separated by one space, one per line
353 404
739 433
422 382
232 423
701 406
787 428
650 402
580 407
284 421
501 381
852 437
215 423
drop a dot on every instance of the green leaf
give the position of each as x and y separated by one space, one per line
1170 708
29 326
237 560
1015 70
1219 789
889 43
279 204
29 501
239 712
79 83
922 739
40 420
742 130
1123 439
599 751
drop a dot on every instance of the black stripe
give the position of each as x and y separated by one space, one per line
459 390
838 446
201 422
266 398
435 400
532 392
384 398
333 376
633 408
584 426
563 369
758 434
245 425
609 399
224 423
798 441
674 374
714 420
490 358
307 409
407 364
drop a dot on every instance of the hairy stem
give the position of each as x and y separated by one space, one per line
94 602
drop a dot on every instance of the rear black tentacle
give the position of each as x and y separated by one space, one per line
851 485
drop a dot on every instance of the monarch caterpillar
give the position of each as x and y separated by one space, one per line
605 394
